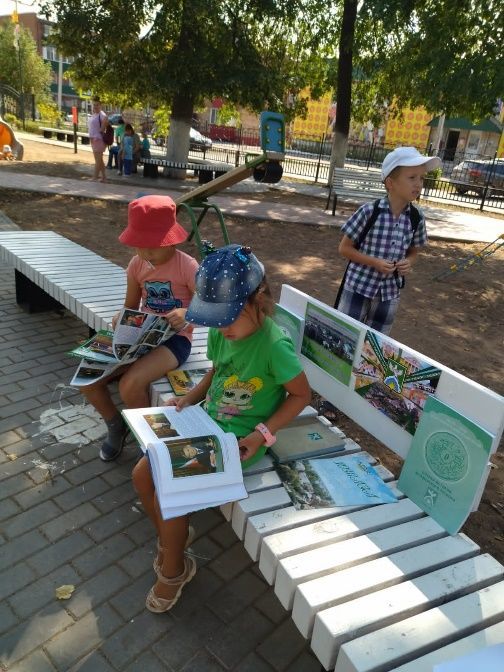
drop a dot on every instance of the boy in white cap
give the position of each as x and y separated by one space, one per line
381 241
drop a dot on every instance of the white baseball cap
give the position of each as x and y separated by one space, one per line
407 156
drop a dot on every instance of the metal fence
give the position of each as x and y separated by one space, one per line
475 181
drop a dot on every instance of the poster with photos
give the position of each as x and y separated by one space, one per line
394 380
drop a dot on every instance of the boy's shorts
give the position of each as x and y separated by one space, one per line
180 346
375 313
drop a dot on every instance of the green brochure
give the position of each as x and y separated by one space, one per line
447 465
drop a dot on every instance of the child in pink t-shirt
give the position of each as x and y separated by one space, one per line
161 280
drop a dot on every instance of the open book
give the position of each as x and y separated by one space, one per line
136 334
195 465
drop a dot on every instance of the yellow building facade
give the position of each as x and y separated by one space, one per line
319 119
411 130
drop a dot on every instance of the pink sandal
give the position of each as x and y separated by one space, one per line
159 605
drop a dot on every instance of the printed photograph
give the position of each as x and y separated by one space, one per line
329 343
153 337
133 318
161 323
160 425
394 381
195 456
121 350
183 381
101 343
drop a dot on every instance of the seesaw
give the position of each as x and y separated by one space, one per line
265 167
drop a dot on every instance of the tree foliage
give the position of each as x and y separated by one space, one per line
249 52
22 68
446 56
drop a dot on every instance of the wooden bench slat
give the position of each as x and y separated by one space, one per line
346 584
308 565
479 640
337 625
387 647
305 537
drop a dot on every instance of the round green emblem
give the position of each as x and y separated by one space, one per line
446 456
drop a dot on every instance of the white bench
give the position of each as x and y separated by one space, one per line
54 273
374 589
353 182
382 587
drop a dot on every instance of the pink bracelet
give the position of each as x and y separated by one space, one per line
269 438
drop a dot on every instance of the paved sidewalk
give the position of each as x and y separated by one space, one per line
441 223
68 518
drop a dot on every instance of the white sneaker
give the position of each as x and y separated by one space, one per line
119 172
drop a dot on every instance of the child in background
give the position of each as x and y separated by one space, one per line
161 280
126 150
256 379
380 260
145 147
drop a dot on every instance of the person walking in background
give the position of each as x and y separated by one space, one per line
97 123
381 241
130 149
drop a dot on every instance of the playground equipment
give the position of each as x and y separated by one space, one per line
264 168
8 139
478 257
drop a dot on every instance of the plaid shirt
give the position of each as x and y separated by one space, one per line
388 239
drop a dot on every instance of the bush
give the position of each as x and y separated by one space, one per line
31 126
12 120
49 112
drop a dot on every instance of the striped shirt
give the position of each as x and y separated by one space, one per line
389 239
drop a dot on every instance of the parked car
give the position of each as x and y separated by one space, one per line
199 142
473 176
114 119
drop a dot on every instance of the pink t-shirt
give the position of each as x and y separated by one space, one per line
165 287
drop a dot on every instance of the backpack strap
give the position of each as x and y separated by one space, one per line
369 224
415 218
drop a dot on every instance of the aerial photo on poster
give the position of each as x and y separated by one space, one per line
329 342
394 381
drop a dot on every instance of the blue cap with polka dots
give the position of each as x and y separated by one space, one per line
224 281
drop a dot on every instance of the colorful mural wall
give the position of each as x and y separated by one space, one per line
411 130
318 120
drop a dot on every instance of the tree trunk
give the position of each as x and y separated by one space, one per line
177 146
344 86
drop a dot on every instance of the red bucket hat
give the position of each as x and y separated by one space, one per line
152 222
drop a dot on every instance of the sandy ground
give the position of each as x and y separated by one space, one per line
458 321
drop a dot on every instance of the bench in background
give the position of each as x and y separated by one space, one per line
355 183
205 172
64 134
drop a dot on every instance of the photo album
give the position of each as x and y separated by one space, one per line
135 335
195 465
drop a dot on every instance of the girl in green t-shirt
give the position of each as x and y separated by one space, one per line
255 387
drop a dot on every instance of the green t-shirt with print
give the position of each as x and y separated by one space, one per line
248 383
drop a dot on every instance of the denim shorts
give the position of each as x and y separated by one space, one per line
180 346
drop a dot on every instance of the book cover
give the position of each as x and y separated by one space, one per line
291 325
447 464
195 465
97 348
306 439
334 481
183 380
